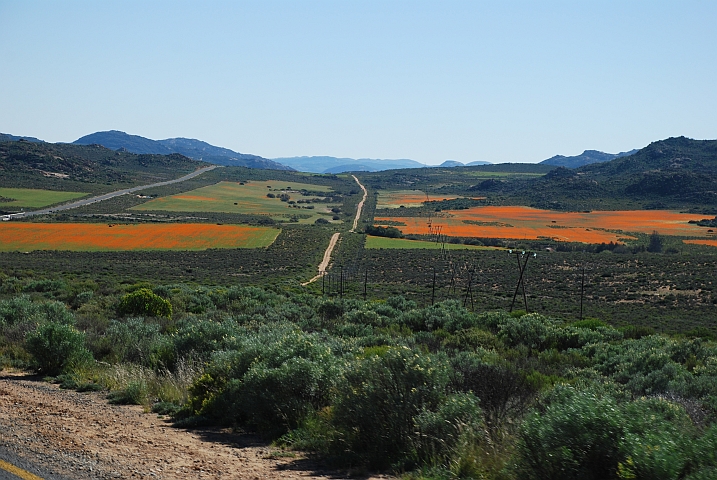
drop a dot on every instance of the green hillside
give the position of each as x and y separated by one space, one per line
88 168
676 173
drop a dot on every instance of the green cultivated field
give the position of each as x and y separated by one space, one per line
305 200
383 242
32 198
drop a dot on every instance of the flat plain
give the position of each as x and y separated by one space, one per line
250 198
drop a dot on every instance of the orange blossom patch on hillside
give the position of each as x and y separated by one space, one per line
531 223
708 242
93 236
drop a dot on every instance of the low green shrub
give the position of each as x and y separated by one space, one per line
456 422
382 395
55 347
135 393
143 302
576 436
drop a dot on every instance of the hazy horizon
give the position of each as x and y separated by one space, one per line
421 80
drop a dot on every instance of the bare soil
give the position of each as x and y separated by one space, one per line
81 436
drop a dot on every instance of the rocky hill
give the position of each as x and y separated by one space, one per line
64 166
588 157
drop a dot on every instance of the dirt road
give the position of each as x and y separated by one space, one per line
80 436
335 237
327 258
360 205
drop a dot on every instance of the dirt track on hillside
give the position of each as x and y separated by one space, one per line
81 436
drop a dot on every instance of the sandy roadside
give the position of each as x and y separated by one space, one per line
80 435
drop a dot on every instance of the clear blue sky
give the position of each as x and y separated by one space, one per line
504 81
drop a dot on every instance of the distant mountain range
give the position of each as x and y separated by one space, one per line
323 164
203 151
194 149
586 158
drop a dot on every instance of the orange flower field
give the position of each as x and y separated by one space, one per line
709 243
97 237
531 224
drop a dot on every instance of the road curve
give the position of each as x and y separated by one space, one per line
107 196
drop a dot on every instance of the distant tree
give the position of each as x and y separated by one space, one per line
655 245
390 232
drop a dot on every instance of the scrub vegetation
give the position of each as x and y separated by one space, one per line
428 392
584 346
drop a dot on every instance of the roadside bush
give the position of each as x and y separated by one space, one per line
56 346
143 302
135 393
133 341
448 315
502 391
644 366
456 422
576 436
21 310
272 380
580 434
383 393
200 338
655 445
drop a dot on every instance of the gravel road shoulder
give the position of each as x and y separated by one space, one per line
81 436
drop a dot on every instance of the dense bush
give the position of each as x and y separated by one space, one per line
382 396
576 436
271 380
585 435
56 346
395 384
458 420
144 302
377 231
133 341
